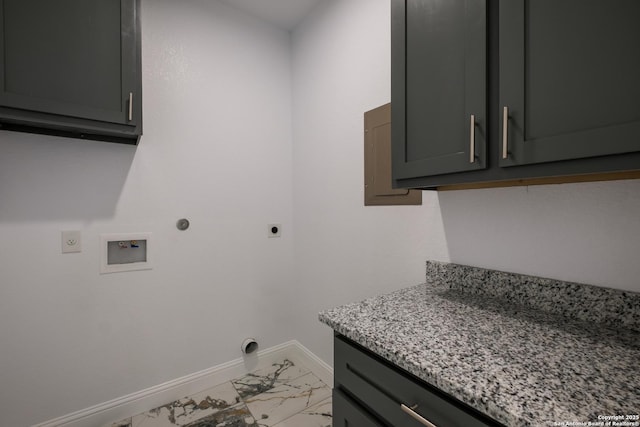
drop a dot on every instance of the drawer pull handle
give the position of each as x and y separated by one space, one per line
472 140
505 131
416 416
130 106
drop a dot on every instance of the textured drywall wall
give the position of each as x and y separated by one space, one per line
345 251
583 232
216 150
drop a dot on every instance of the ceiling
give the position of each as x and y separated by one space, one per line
285 14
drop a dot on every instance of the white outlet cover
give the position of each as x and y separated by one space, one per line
71 241
274 230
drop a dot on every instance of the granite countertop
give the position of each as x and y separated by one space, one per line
524 350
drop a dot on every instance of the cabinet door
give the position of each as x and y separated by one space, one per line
438 84
73 58
569 77
347 413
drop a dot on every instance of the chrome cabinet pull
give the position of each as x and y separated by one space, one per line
416 416
130 106
505 129
472 140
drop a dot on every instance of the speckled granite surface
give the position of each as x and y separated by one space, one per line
514 354
574 300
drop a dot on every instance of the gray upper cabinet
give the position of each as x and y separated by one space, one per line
438 86
71 68
558 78
569 79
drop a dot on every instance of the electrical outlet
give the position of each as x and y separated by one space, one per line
274 230
71 241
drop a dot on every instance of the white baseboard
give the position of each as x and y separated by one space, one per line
303 356
152 397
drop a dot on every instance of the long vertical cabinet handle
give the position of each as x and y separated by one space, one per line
130 106
416 416
472 139
505 131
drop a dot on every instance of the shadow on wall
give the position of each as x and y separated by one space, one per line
53 178
585 232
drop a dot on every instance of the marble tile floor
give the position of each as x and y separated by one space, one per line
282 395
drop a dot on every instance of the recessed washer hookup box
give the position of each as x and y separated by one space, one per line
125 252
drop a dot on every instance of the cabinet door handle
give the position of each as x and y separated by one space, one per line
505 129
130 106
416 416
472 140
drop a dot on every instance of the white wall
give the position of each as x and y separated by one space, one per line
345 251
587 232
216 150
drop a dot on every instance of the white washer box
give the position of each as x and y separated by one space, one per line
125 252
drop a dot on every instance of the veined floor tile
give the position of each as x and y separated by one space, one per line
283 401
265 379
315 416
186 411
238 416
124 423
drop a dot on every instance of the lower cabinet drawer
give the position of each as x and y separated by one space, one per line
395 397
347 413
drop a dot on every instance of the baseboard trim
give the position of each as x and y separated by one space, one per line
152 397
303 356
